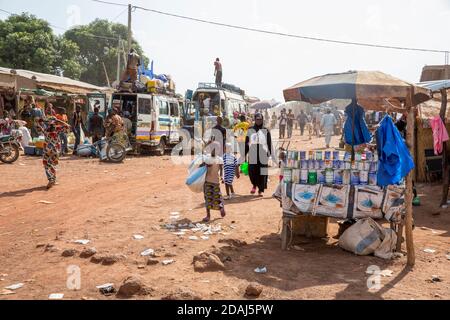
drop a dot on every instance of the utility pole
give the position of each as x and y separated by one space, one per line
118 59
130 8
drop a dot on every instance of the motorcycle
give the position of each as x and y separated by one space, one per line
10 147
108 149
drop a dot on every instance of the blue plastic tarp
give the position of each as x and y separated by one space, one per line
394 159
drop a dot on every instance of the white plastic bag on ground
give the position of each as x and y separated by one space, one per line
387 247
196 179
362 238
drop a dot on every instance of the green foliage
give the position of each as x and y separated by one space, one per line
103 49
27 42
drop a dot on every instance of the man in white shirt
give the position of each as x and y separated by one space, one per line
328 123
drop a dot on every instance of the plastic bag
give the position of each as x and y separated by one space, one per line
85 150
196 163
362 238
244 168
196 179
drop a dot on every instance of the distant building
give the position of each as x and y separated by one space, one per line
432 73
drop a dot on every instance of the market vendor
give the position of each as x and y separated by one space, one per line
26 114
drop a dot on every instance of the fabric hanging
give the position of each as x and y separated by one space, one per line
440 134
395 161
355 128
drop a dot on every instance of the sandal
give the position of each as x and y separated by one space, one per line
223 214
253 191
206 220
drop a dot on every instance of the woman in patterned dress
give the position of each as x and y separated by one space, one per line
51 128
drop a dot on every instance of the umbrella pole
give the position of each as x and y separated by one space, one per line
411 258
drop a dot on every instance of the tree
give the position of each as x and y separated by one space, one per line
98 42
27 42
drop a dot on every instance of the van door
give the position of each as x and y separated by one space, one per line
163 119
144 117
175 125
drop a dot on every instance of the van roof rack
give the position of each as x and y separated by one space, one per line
225 87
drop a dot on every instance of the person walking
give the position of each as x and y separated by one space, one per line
77 126
51 127
221 133
327 124
258 148
273 122
290 123
211 190
62 116
302 119
282 123
218 72
230 170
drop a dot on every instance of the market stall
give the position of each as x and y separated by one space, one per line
439 102
360 183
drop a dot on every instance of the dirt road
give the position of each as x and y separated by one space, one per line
108 204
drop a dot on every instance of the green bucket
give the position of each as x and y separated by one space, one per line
244 168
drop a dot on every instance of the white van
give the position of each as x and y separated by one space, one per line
156 119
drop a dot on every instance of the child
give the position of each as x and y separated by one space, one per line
213 195
230 169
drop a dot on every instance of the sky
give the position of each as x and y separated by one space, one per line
264 65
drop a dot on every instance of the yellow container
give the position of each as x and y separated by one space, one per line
151 84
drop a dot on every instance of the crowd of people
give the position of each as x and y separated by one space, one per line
53 125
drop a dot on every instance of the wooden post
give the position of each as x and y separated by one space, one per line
445 167
409 181
106 73
130 35
285 233
399 236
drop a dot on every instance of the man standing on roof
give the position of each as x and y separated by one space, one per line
134 61
218 72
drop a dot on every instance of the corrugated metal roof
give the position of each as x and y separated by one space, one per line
434 86
53 82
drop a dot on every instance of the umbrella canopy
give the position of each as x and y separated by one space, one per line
370 88
264 105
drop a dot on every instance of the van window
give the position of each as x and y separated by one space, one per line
174 109
145 106
164 108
